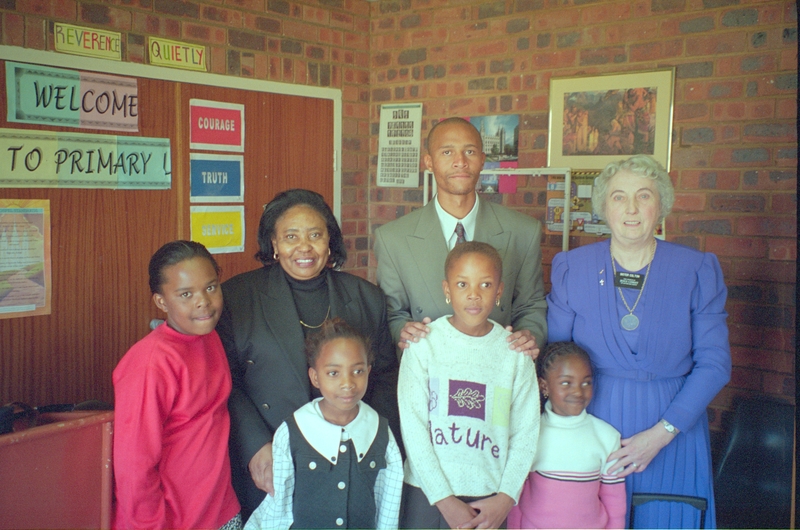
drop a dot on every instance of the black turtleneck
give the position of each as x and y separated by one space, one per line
311 299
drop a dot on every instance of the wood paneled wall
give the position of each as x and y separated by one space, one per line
102 240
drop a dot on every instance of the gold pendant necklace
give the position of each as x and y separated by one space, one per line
320 324
630 321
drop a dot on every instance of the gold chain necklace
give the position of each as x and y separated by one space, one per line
630 321
320 324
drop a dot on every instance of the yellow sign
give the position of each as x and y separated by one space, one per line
219 228
91 42
175 54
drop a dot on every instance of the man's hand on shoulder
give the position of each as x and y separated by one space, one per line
523 341
413 331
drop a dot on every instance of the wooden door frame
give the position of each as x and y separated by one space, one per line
62 60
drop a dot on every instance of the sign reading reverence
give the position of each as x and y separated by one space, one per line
90 42
68 98
42 159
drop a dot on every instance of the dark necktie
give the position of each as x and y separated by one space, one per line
461 237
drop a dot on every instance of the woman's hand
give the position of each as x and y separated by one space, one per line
413 331
492 511
639 450
456 512
260 467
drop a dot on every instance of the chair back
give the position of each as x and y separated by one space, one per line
753 477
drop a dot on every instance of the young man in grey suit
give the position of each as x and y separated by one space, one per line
411 250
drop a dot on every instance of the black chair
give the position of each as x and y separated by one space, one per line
753 475
637 499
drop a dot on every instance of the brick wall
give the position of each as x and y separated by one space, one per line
734 152
734 157
319 43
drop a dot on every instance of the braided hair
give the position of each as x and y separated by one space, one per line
552 353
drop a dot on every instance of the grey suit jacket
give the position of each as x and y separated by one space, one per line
411 253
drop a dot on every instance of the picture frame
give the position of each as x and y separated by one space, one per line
599 119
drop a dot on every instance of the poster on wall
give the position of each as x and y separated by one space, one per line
219 228
44 159
216 178
25 259
500 137
67 98
579 210
216 125
398 145
600 119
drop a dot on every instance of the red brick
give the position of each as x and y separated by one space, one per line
694 158
779 384
736 246
783 249
689 202
316 15
35 33
615 13
218 60
428 37
656 51
564 17
748 64
692 111
555 60
773 226
717 43
331 36
763 359
450 15
642 29
484 50
729 111
13 30
356 40
774 271
35 7
710 179
109 17
788 60
213 35
784 203
745 378
228 17
704 90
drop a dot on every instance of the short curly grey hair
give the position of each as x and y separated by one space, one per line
644 166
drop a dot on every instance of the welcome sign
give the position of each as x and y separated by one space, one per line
68 98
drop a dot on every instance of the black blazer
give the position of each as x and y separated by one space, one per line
263 338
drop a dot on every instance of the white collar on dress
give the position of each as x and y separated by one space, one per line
326 437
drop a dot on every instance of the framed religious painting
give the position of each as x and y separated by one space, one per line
600 119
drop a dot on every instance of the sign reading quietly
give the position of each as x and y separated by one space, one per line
174 54
68 98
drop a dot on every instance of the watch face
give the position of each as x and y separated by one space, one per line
668 426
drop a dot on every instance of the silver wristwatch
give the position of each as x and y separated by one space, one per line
669 427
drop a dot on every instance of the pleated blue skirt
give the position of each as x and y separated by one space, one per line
683 467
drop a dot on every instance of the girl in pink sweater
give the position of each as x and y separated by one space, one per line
569 485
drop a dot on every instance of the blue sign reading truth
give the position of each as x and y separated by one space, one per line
217 178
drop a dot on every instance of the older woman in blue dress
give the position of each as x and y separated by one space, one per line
652 316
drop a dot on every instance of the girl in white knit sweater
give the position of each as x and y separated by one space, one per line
569 485
469 407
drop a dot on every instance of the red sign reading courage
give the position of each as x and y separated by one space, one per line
217 126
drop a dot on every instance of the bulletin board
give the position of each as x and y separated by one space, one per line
102 239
